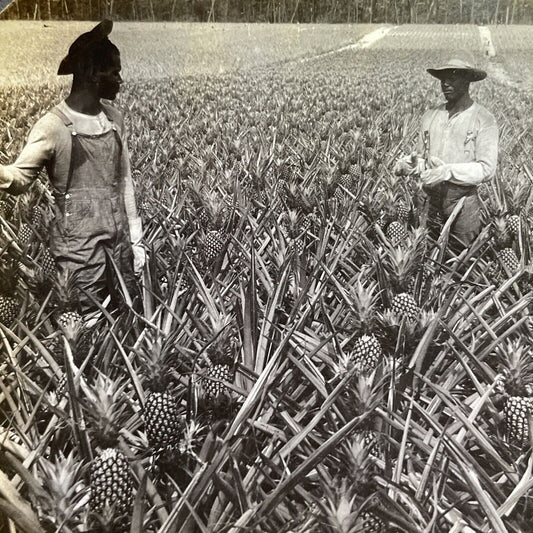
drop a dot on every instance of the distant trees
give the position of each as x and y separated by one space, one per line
391 11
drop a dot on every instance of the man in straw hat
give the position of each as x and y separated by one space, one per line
82 144
457 150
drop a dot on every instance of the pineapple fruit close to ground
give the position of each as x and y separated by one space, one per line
111 480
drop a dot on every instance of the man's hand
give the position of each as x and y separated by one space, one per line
409 165
437 173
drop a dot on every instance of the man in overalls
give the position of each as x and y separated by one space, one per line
459 149
82 144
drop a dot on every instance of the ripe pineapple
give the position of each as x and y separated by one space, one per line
366 353
396 233
402 210
162 420
513 224
516 364
404 305
214 224
46 261
345 181
370 523
9 303
161 416
111 481
6 208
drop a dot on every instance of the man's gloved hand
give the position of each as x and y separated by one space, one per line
408 165
437 173
139 253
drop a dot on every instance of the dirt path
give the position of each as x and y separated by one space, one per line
365 42
495 68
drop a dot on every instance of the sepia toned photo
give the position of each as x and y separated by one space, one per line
265 266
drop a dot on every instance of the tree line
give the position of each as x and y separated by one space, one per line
280 11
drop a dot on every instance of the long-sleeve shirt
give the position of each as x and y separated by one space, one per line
49 145
467 142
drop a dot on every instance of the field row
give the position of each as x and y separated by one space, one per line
160 50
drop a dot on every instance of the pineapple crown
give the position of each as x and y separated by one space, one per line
516 363
66 293
62 482
9 276
401 263
106 410
500 233
222 348
365 300
154 359
365 392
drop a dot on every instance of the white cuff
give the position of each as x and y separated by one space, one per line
136 230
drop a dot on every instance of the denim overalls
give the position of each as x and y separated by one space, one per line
90 219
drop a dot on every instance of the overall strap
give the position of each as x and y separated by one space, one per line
426 136
472 125
109 117
68 124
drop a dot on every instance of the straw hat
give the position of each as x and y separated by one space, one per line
458 66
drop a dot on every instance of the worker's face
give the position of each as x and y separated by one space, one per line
108 79
454 87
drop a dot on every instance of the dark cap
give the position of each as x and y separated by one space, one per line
460 67
83 44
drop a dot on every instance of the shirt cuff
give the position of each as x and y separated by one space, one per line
136 230
5 181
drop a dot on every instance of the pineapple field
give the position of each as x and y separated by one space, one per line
308 357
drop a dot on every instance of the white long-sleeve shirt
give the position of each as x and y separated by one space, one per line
49 146
467 142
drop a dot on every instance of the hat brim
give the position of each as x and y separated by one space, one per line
470 74
100 32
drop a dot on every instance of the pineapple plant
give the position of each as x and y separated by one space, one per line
363 350
111 481
400 265
221 356
162 420
291 225
507 262
214 223
61 501
516 194
347 509
516 384
66 298
46 261
68 316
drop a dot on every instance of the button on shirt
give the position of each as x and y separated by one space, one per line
467 142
